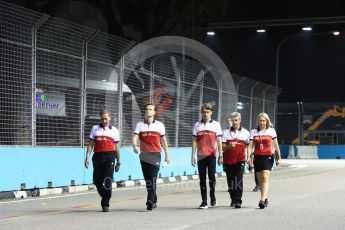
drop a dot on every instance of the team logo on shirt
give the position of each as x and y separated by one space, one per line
149 135
205 133
101 138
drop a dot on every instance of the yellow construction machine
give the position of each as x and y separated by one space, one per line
336 111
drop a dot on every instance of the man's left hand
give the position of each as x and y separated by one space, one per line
117 167
220 160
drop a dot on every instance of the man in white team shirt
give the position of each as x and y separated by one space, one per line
235 139
207 138
151 133
104 141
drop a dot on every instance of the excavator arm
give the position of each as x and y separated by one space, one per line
336 111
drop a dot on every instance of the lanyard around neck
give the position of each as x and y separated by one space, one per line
236 136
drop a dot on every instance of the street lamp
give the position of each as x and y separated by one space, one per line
336 33
300 121
287 38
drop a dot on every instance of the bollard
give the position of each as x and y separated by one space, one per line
72 182
184 173
130 177
22 186
50 184
172 174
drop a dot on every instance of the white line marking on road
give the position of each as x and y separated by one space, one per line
298 166
247 210
46 198
182 227
334 188
303 196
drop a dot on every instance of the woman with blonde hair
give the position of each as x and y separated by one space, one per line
263 143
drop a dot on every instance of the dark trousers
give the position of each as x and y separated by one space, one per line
150 166
207 164
103 171
234 176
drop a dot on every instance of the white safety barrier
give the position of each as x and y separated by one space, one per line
182 178
291 152
159 181
307 152
195 177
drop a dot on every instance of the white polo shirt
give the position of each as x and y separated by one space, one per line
206 136
239 138
150 136
105 138
263 141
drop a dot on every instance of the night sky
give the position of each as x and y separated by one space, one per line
311 68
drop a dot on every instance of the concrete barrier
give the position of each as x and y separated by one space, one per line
307 152
291 154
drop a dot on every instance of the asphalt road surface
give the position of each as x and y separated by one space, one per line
304 194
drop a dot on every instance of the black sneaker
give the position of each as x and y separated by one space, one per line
262 204
213 204
256 188
105 209
203 205
237 205
232 204
149 205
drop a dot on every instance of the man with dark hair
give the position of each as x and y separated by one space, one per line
151 133
104 141
207 138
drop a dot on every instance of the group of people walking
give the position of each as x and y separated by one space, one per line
234 146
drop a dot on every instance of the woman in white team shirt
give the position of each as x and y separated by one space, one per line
262 144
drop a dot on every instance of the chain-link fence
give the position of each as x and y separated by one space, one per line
57 75
253 98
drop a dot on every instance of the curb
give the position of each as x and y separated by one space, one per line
37 192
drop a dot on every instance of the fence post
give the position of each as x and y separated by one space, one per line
220 97
277 92
83 85
120 85
237 87
120 90
201 94
264 97
178 95
40 22
152 77
251 106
